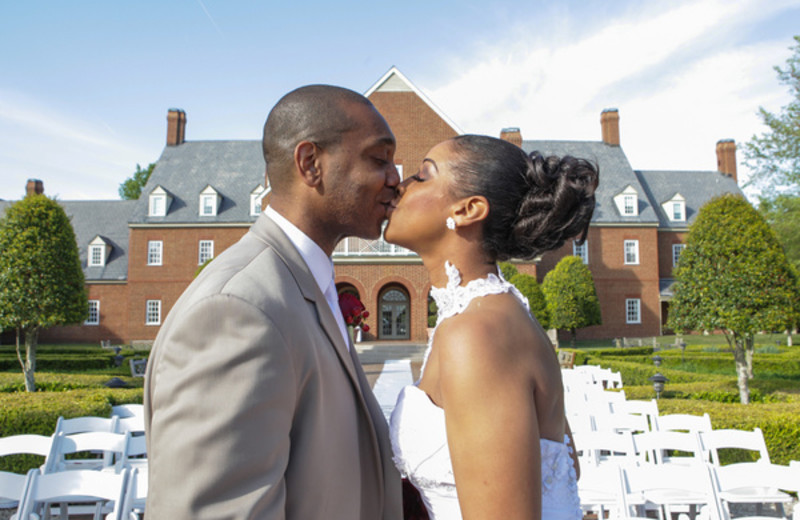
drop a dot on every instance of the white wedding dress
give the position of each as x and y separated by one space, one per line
419 438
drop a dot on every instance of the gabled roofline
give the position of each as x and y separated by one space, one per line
395 71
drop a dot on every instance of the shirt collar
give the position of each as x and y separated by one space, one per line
320 265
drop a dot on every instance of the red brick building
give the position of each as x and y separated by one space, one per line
202 196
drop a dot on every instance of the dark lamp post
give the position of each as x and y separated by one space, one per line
658 383
657 360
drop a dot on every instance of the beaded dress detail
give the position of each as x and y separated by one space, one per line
419 437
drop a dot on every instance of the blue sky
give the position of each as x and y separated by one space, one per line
85 85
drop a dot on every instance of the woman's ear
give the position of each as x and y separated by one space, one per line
307 163
470 210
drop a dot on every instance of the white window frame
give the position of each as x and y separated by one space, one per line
152 312
97 256
677 249
633 311
94 313
629 205
677 211
257 198
158 205
581 251
208 205
205 251
155 252
631 252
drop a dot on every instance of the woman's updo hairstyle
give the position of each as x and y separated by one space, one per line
536 203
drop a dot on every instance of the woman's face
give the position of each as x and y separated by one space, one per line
418 215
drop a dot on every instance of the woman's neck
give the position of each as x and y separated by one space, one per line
471 264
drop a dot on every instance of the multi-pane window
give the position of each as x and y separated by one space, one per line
677 211
154 252
629 205
208 205
205 251
94 313
633 310
158 205
96 256
631 252
581 251
677 249
153 312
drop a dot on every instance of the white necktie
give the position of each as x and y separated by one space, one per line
333 301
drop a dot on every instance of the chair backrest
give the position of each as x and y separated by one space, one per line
598 447
82 486
634 406
13 487
757 477
716 440
600 488
85 424
135 494
109 445
135 453
672 485
26 444
684 422
128 410
658 447
621 422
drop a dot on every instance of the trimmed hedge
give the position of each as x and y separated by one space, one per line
38 413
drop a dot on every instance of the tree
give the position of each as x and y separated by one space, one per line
41 280
733 276
782 213
531 289
132 187
571 296
774 156
509 270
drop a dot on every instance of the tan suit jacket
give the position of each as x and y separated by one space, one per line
254 407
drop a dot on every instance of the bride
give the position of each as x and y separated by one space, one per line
482 434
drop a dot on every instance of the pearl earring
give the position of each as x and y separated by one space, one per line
451 223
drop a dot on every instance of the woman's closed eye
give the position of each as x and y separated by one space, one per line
418 178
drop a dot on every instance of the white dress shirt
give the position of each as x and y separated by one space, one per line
320 265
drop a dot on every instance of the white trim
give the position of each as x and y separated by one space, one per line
395 71
155 252
201 258
96 250
96 313
677 249
156 312
581 251
634 251
633 311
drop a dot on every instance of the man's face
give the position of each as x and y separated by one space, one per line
360 175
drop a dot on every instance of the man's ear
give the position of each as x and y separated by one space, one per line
307 163
470 210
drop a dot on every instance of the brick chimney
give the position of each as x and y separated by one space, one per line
34 187
176 127
512 135
726 157
609 124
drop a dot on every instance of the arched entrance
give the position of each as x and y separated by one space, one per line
394 309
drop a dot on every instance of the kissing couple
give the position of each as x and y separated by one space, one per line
256 405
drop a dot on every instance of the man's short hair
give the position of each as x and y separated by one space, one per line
316 113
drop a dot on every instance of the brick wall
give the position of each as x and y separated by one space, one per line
113 324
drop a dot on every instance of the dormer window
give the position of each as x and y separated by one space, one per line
159 202
209 202
98 252
675 208
257 199
628 202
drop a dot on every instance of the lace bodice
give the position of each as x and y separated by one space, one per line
419 437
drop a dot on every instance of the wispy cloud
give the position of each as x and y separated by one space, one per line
203 6
675 72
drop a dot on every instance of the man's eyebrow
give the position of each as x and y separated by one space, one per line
436 167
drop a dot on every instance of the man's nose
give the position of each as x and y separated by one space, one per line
393 177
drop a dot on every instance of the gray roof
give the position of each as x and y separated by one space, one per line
697 187
109 220
233 168
615 175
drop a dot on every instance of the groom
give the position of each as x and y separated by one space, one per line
256 404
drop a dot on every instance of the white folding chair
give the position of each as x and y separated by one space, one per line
600 490
13 488
598 447
684 422
660 447
85 424
757 483
136 494
98 492
634 406
107 447
621 422
128 410
12 484
715 440
667 487
134 456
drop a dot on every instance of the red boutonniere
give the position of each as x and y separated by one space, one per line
353 311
